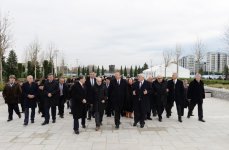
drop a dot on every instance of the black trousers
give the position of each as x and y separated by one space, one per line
117 115
109 108
90 111
98 118
139 113
192 105
11 108
61 105
168 108
160 109
53 112
76 123
32 116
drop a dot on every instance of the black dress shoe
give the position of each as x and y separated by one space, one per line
88 119
25 123
188 116
160 119
32 121
19 115
179 119
149 118
167 116
135 124
61 116
76 131
202 120
83 126
42 115
53 121
142 126
9 120
117 127
44 123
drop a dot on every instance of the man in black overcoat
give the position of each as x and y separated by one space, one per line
141 91
90 83
118 95
176 93
30 96
79 103
51 97
196 94
63 88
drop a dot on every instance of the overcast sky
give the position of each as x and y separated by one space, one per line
104 32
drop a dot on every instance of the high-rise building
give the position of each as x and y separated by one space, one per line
188 62
216 61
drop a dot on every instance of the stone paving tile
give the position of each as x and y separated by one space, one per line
166 135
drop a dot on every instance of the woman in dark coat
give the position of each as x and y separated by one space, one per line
160 91
129 99
29 95
100 97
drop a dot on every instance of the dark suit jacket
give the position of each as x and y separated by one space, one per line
196 91
140 96
32 90
65 90
176 93
118 93
53 88
90 97
78 93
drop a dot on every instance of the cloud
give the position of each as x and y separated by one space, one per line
121 32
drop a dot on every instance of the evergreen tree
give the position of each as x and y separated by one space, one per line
135 71
125 72
102 71
145 66
79 68
83 71
87 72
11 64
139 70
121 71
131 71
98 72
226 71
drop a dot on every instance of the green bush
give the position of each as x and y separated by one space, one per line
1 86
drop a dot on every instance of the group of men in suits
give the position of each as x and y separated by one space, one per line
92 96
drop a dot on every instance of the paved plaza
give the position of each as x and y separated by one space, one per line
166 135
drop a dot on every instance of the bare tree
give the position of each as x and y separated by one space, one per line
5 40
51 53
32 50
199 52
167 56
226 38
178 52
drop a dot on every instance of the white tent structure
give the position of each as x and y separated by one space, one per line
172 67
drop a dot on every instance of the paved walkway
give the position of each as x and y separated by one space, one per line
167 135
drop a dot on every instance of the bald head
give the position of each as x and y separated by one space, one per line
99 81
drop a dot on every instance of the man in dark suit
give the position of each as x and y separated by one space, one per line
109 103
29 94
63 88
51 93
118 94
176 93
90 83
79 103
196 93
141 91
11 94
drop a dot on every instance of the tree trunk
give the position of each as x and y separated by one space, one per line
1 70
